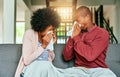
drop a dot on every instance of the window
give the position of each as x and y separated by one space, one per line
66 23
20 29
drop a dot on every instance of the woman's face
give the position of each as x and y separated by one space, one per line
49 28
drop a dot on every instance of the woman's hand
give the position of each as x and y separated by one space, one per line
46 39
51 56
54 38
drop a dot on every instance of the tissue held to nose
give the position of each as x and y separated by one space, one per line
70 32
50 45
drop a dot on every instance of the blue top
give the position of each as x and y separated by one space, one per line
44 55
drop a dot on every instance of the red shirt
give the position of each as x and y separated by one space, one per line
89 48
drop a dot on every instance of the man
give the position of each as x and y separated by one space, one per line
88 46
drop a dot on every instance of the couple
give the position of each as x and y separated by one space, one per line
87 44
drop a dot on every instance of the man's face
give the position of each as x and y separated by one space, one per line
82 20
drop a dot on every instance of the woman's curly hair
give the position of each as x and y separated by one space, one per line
42 18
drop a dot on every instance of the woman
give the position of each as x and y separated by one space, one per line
36 59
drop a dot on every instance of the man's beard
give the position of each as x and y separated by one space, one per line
84 30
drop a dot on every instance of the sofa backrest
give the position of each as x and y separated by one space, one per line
59 61
113 53
113 58
10 55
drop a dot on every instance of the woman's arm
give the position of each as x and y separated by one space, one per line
28 52
51 55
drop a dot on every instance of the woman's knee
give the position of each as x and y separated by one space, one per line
45 66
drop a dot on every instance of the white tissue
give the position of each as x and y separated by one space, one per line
70 32
51 43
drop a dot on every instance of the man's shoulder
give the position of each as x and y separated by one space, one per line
102 31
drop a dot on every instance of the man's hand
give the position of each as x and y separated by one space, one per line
76 30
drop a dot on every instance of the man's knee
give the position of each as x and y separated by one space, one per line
103 73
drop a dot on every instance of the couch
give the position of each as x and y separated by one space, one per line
10 55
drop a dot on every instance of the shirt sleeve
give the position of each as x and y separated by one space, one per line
92 50
28 52
68 50
51 55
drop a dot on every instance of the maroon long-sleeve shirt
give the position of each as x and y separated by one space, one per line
89 48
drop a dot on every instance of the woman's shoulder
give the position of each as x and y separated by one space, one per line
29 33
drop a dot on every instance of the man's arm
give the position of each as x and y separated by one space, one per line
68 50
91 51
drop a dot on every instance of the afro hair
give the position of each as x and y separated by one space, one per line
42 18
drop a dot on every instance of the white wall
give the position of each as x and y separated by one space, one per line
27 19
79 2
28 13
1 21
28 3
110 13
9 16
20 12
95 2
118 18
38 2
113 22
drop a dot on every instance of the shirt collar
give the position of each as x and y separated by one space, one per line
89 30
